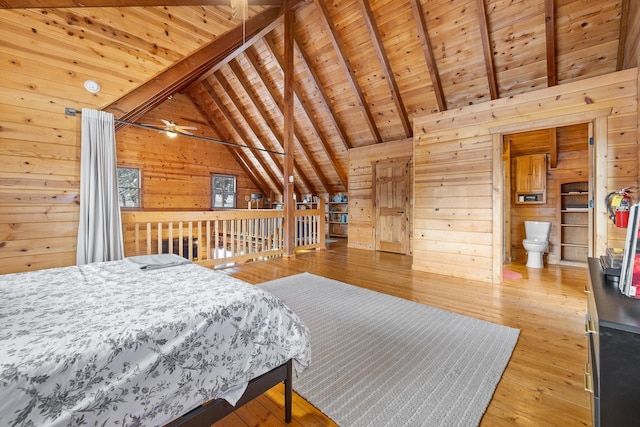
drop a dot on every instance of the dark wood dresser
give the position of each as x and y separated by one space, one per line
613 367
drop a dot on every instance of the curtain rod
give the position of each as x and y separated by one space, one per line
72 112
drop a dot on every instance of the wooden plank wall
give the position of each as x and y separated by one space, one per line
39 172
361 163
39 179
176 172
572 165
453 163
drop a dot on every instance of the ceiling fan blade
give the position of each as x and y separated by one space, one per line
167 123
187 127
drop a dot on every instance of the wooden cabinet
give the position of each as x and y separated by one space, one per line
574 222
338 216
531 178
612 373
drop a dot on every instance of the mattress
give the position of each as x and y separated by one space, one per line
135 342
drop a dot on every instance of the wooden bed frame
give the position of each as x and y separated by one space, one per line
215 410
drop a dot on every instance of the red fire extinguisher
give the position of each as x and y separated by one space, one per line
618 205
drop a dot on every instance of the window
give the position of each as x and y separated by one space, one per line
223 191
129 187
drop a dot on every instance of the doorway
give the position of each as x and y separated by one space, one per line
567 182
597 120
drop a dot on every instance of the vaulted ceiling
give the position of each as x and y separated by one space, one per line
363 69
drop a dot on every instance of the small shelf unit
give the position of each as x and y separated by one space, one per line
338 219
574 222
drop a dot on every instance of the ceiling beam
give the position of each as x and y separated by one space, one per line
324 97
149 95
622 37
239 107
486 49
51 4
238 153
275 180
247 87
251 55
348 69
376 39
342 176
425 41
550 29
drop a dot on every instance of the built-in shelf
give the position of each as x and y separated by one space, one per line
338 218
574 222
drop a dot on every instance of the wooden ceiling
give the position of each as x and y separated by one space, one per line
363 69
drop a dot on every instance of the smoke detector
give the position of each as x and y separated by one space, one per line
92 86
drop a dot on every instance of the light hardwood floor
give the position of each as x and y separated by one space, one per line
543 383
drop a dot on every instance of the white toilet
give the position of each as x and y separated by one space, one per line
536 242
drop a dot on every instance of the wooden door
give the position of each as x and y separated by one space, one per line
523 170
538 173
391 206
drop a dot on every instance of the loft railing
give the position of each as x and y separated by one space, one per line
220 238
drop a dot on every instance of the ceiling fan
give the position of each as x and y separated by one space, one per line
171 128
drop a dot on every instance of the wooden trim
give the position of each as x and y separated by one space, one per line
555 121
498 202
553 143
600 149
506 192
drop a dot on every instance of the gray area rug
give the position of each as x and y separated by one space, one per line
379 360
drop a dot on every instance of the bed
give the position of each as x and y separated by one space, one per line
140 342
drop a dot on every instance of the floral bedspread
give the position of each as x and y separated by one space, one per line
113 344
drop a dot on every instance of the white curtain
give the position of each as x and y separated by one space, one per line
100 228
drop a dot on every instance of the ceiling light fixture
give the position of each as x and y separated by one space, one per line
92 86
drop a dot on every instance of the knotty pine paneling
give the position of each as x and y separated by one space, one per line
176 172
361 191
559 104
47 56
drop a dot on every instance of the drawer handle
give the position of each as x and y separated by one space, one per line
588 383
589 328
